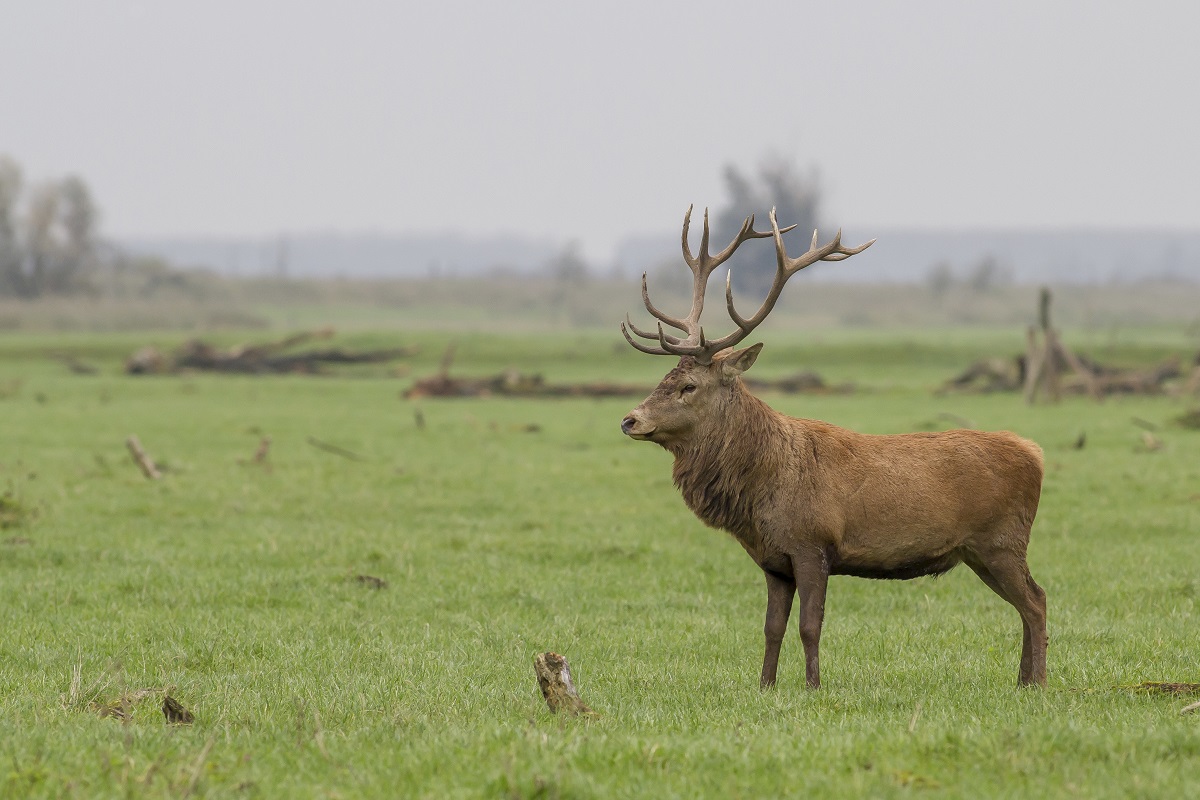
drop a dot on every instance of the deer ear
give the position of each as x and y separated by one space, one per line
738 362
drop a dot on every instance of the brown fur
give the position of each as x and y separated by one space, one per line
807 499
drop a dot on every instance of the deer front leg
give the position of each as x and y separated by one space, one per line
780 592
812 579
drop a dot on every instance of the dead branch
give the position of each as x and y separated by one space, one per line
264 358
72 363
140 457
333 448
988 375
806 382
511 383
554 678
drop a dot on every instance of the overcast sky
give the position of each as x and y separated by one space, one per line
589 122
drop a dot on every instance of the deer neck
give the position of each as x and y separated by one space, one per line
719 468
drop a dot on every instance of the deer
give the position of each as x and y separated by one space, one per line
807 499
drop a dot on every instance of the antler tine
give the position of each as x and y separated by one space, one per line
687 248
785 268
638 331
654 351
659 315
746 233
660 336
845 252
831 251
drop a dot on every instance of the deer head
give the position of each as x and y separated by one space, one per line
701 383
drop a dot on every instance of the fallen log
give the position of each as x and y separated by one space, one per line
257 359
1085 377
988 375
806 382
511 383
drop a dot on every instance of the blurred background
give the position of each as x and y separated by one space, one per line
260 164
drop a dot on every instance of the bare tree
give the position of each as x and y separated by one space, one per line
11 279
52 247
779 185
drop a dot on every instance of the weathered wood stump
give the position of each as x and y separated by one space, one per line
554 678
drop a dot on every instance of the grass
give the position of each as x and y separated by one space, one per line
234 587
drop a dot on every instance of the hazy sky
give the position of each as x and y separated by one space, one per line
589 122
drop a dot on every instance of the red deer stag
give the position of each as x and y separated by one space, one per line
807 499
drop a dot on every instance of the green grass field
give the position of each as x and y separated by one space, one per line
506 528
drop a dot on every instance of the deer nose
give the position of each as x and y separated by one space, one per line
628 423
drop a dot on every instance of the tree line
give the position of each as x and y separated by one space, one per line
50 245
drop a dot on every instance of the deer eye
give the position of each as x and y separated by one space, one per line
687 389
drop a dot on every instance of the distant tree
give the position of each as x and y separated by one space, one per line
11 255
986 275
569 265
52 248
940 278
779 184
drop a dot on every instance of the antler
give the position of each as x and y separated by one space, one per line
702 267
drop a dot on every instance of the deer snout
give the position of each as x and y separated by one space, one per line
635 427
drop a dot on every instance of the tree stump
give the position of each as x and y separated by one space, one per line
554 678
1044 362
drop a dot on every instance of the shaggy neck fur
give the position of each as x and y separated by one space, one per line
723 469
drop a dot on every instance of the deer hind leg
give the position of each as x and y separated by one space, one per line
812 580
781 590
1007 574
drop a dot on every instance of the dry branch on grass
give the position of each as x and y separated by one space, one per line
142 459
554 679
806 382
264 358
334 449
76 366
512 383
